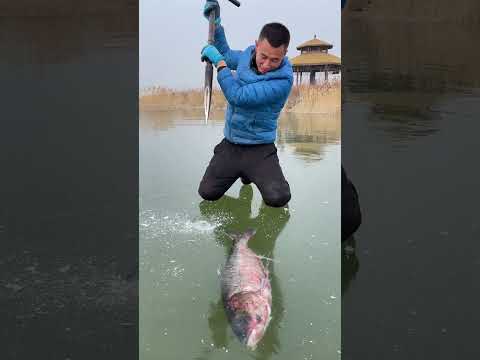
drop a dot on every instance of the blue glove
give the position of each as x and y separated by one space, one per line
212 5
210 53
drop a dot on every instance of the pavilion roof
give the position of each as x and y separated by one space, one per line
315 58
315 43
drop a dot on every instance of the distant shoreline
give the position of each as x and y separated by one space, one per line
304 99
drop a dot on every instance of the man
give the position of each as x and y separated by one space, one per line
256 94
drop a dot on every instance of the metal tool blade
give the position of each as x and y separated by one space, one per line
207 96
207 92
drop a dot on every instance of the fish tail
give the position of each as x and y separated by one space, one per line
241 237
234 236
249 233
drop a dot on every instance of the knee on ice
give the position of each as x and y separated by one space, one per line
209 194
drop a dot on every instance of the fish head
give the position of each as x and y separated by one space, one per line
250 318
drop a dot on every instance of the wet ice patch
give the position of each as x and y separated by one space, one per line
165 237
155 225
199 226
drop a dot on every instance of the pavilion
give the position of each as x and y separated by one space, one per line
313 58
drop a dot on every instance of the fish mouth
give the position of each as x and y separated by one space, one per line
251 343
254 336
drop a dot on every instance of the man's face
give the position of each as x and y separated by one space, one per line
267 57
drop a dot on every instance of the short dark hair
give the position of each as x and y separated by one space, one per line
276 34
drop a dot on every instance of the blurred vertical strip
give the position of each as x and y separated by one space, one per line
69 179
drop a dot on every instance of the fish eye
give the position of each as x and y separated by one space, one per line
259 318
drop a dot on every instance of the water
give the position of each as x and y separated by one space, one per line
417 248
410 137
183 241
68 210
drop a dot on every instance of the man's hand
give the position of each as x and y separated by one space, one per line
210 52
212 5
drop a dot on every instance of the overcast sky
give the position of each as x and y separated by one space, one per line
172 33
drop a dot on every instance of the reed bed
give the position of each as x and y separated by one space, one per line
321 98
170 99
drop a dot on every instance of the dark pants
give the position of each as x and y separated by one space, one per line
256 163
351 214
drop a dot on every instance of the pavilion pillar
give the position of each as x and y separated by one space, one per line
326 75
298 76
312 77
301 77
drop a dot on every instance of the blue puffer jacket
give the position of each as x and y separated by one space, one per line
254 101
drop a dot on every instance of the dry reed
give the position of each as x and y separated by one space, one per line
322 98
170 99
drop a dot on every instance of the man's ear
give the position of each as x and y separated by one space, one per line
256 43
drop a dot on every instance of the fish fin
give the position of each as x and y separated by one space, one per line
267 258
263 283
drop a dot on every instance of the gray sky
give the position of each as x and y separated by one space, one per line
172 33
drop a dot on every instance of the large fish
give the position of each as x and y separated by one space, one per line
246 292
